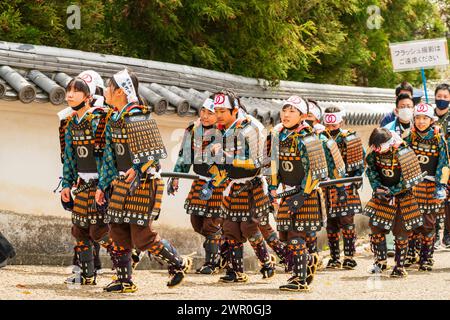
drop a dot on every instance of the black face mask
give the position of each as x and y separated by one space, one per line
310 123
78 107
442 104
334 132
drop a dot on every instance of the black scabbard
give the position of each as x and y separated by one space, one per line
321 184
180 175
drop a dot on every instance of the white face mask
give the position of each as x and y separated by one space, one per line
405 114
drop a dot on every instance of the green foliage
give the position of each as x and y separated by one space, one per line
324 41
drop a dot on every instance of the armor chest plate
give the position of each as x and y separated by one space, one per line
388 168
427 153
290 163
83 141
237 147
200 152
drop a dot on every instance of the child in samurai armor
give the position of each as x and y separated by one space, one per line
269 233
393 170
401 124
336 164
81 153
299 162
131 165
343 202
205 214
442 101
246 201
430 147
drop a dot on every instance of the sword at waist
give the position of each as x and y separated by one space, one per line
333 182
180 175
247 185
91 183
327 183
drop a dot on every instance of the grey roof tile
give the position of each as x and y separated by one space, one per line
40 73
158 102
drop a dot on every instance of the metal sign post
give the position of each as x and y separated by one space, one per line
424 81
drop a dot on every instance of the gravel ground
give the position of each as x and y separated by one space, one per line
45 282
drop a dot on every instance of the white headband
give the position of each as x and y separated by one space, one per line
395 139
315 110
298 103
222 101
208 104
386 145
93 80
333 118
124 81
425 110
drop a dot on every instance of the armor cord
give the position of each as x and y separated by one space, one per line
59 184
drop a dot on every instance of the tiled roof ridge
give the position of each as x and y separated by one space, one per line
40 73
72 61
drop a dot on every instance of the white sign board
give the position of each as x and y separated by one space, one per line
413 55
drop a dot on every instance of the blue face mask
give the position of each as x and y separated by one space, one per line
442 104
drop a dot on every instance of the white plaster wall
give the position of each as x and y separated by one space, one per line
30 165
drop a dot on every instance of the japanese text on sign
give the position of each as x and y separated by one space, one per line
419 54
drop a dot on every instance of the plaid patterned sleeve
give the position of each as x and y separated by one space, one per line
108 169
407 139
69 167
442 161
180 165
371 173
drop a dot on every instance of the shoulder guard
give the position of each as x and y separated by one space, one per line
412 172
135 110
278 128
64 123
191 126
347 132
243 123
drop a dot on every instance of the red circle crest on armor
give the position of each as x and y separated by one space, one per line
219 99
422 108
330 118
87 78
